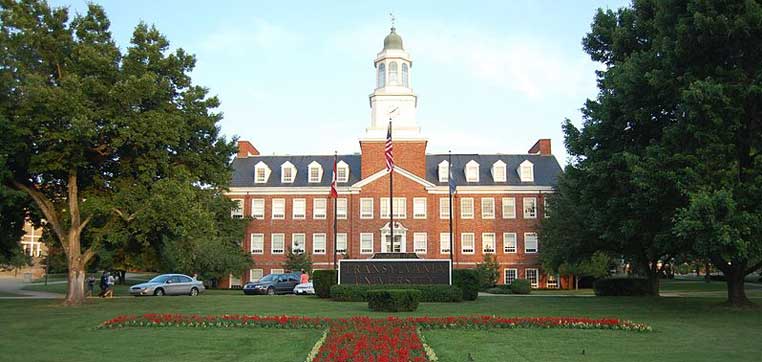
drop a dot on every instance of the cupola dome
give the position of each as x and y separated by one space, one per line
393 40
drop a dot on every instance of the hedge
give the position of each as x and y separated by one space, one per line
322 280
621 287
430 293
499 289
394 300
521 286
468 281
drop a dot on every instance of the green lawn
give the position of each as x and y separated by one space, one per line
8 294
687 328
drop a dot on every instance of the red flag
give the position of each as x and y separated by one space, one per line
334 192
388 149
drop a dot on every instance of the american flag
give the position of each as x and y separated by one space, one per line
334 192
388 149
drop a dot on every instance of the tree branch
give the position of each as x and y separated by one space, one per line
753 268
47 208
89 253
84 223
126 217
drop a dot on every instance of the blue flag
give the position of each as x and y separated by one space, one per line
450 180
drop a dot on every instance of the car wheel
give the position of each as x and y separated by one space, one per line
194 292
158 292
270 291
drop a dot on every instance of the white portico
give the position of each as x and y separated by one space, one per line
400 238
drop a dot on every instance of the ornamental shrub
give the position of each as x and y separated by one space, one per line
489 271
521 286
499 289
322 280
621 287
394 300
430 293
468 281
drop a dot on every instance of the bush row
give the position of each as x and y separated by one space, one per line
394 300
621 287
519 286
323 280
468 282
429 292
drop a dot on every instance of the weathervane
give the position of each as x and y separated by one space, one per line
392 18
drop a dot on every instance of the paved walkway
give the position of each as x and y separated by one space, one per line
14 285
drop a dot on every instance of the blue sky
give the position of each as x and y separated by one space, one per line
294 77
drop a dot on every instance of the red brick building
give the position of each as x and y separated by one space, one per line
496 208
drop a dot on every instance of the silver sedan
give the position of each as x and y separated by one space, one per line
169 284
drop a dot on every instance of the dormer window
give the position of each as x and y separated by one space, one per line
498 171
526 171
444 171
381 75
261 173
342 172
472 171
315 172
287 172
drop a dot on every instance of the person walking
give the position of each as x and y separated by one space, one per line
90 285
103 284
304 278
110 281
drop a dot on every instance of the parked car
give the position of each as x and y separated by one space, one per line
169 284
273 284
304 288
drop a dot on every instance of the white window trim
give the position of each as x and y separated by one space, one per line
462 209
314 165
505 275
425 206
400 202
524 201
369 200
272 243
487 216
425 240
284 166
340 236
339 207
494 242
315 250
251 275
293 209
473 244
545 207
237 213
264 209
508 201
258 166
442 238
536 244
315 215
293 242
515 243
339 166
251 244
443 171
444 201
472 165
556 279
536 284
499 165
528 166
372 247
272 209
277 271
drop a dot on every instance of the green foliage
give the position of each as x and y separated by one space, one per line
394 300
489 270
499 289
323 280
621 287
430 293
298 261
468 281
521 286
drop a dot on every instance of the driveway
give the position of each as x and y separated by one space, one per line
12 286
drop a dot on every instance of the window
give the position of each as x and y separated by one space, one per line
405 82
488 208
299 209
381 75
509 243
419 208
467 243
526 171
277 271
466 208
552 282
444 243
341 242
366 243
318 243
342 172
366 208
509 208
498 171
277 242
510 275
257 245
393 73
545 213
419 243
237 211
279 209
298 243
261 173
488 243
444 171
472 171
258 208
287 172
530 243
256 274
400 206
341 209
319 208
316 172
530 207
444 208
532 276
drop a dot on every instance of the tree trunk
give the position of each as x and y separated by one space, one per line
707 273
75 294
653 279
736 289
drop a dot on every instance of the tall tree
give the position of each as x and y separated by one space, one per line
94 130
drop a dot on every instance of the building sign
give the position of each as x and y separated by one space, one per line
395 271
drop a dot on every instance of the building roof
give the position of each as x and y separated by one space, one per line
546 169
393 40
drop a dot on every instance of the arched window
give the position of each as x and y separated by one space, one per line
393 73
405 83
381 75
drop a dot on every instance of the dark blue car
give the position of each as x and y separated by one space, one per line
273 284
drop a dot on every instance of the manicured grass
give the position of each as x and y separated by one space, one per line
8 294
686 328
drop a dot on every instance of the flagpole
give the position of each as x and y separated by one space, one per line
449 188
391 197
335 208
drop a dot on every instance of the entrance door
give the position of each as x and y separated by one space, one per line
398 246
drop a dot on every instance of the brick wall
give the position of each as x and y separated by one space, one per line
410 155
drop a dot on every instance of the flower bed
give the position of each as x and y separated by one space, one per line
373 340
224 321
